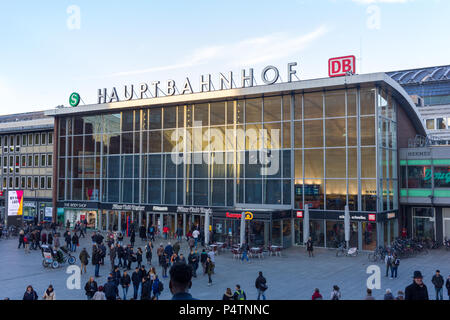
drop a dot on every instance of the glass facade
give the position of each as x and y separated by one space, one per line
324 149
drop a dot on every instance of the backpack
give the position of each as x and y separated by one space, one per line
335 296
160 286
240 295
397 262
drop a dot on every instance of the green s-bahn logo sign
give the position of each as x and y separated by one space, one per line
74 99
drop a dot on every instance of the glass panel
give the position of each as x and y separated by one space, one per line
335 233
335 163
367 101
314 163
317 232
335 103
336 194
419 177
368 131
430 124
368 159
351 102
441 177
154 191
369 195
272 192
154 138
155 118
369 231
201 114
253 108
335 132
201 192
217 110
127 121
313 105
170 117
287 135
353 194
313 133
286 108
297 134
253 191
218 192
272 109
298 107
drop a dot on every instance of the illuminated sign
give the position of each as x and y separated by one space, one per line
74 99
372 217
15 203
248 215
299 214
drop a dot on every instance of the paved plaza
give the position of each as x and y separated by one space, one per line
293 276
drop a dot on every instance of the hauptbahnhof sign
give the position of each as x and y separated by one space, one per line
269 75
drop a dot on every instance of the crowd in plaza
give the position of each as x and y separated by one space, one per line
128 270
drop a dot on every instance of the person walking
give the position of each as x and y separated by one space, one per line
244 249
132 238
26 241
75 242
115 274
99 295
438 282
228 295
388 295
96 258
195 235
157 288
136 279
447 285
146 291
191 243
395 262
90 288
139 254
165 264
176 247
388 262
369 295
316 295
209 270
57 242
125 282
417 290
160 254
112 255
21 236
310 247
44 238
68 239
261 286
203 258
120 255
239 294
84 259
50 239
336 293
49 294
131 257
169 249
192 258
148 252
142 233
30 294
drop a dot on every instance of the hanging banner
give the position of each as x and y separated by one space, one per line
15 203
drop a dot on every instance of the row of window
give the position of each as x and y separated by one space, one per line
438 124
14 163
10 143
27 183
423 176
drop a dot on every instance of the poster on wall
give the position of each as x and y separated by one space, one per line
48 214
15 203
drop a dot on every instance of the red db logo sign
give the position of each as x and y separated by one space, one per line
338 67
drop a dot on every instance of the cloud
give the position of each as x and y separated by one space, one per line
245 52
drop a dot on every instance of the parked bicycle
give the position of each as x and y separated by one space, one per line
378 254
343 251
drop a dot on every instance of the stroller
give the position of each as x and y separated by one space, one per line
55 258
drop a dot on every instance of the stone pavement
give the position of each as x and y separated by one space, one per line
290 277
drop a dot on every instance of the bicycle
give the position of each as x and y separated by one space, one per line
343 251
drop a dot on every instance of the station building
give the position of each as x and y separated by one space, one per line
270 150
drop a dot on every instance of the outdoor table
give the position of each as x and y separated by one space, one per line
276 249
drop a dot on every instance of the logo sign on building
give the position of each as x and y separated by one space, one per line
372 217
248 215
341 66
15 203
74 99
48 213
299 214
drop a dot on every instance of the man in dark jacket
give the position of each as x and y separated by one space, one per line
180 281
417 290
447 285
121 255
261 286
110 289
169 249
125 282
116 276
438 282
136 279
146 291
96 257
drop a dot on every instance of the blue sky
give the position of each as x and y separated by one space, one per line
42 60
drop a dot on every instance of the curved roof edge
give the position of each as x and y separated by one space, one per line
303 85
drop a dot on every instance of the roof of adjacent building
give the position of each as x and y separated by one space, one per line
25 122
421 75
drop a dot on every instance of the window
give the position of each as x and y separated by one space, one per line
42 184
35 183
24 140
50 138
17 184
18 140
11 161
22 183
29 160
23 162
49 160
419 177
36 160
43 160
49 182
36 139
30 139
441 123
430 124
441 177
10 182
43 138
29 185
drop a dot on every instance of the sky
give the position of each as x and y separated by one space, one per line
49 49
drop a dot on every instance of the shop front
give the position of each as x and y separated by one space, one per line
74 212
